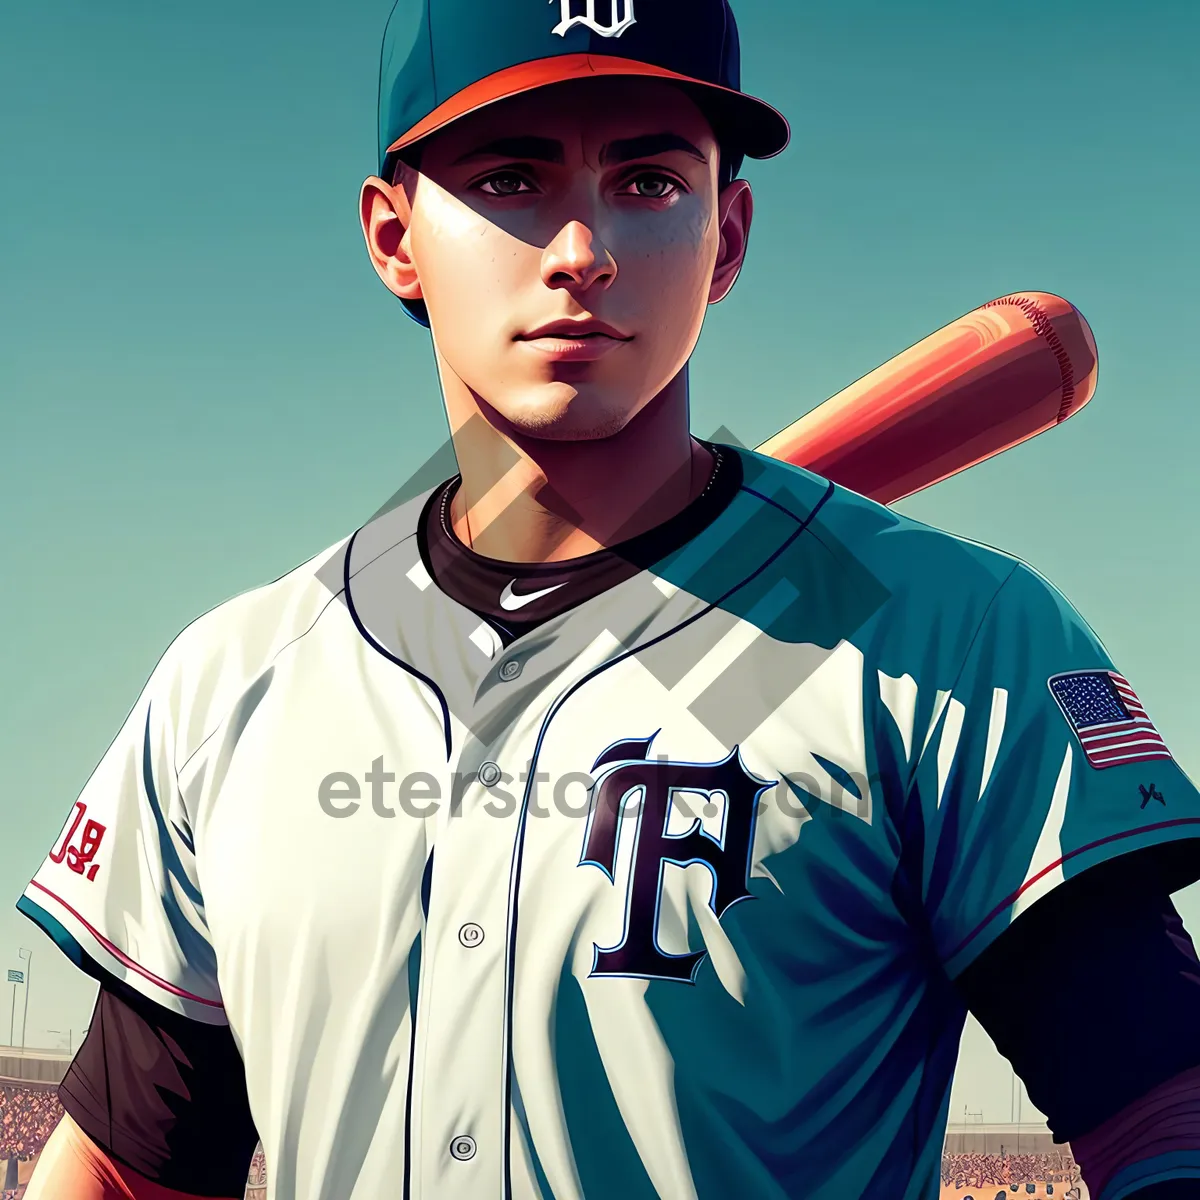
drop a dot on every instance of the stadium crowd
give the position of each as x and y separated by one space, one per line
256 1185
28 1116
1025 1174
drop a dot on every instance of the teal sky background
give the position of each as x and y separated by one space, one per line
202 383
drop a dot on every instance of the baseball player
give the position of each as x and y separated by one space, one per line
627 815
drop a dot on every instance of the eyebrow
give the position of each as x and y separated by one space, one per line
539 149
647 146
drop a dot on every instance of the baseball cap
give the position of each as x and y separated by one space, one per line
443 59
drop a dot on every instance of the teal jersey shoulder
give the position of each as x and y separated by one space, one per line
1027 753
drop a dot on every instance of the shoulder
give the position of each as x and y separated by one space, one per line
230 654
901 582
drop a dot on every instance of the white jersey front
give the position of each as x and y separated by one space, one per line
626 908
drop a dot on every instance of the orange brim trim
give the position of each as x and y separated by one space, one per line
526 76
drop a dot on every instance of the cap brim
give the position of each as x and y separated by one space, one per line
755 128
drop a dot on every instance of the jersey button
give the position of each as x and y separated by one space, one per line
510 670
463 1147
470 935
489 773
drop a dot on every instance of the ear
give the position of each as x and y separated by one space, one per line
386 217
735 211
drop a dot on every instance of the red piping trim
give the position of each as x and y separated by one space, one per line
1112 837
122 957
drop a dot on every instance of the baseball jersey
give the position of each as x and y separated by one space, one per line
710 849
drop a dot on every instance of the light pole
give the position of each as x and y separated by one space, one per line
1020 1097
28 956
60 1033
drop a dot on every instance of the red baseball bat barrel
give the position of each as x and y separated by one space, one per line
996 377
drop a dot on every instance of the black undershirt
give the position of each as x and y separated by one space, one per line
1093 994
481 584
162 1093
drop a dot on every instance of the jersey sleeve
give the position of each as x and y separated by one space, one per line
1041 763
120 883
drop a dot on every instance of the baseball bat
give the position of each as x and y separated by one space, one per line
995 378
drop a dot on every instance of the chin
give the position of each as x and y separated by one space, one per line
562 413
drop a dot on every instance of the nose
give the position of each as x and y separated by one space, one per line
576 259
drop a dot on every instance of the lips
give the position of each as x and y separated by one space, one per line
574 341
573 331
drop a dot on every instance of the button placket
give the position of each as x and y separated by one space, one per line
465 983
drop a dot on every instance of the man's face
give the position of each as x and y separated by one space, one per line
564 243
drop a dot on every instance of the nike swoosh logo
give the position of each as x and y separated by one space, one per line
510 602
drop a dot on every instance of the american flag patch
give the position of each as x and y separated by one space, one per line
1107 717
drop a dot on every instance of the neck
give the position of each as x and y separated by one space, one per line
527 499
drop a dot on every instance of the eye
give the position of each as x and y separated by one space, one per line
651 185
504 183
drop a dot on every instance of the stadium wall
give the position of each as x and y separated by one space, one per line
33 1066
1002 1139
